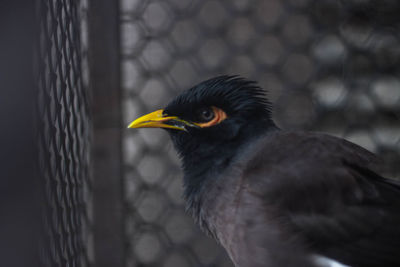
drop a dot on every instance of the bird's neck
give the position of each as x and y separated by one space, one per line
204 165
201 172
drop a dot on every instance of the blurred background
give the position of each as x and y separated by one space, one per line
107 196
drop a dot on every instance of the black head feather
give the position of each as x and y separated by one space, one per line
248 113
207 151
236 96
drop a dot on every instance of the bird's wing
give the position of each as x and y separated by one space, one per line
324 189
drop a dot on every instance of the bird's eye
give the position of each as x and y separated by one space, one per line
209 116
205 114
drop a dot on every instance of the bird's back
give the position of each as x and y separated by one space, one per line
294 195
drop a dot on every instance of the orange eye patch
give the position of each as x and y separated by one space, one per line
219 116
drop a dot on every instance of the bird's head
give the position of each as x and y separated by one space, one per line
219 113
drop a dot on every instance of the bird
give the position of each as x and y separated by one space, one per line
275 197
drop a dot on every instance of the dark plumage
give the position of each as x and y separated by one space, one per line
273 197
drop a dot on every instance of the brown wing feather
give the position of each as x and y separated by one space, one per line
326 191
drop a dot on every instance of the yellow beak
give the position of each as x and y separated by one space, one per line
157 119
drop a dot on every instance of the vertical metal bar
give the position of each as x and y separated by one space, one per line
19 184
104 64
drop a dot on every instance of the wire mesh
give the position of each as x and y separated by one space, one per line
330 66
63 134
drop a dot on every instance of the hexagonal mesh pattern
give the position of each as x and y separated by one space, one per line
63 133
331 66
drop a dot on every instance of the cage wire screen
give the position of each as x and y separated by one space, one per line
330 66
63 126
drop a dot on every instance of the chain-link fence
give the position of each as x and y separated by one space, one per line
331 66
63 134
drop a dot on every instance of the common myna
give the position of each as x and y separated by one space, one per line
278 198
